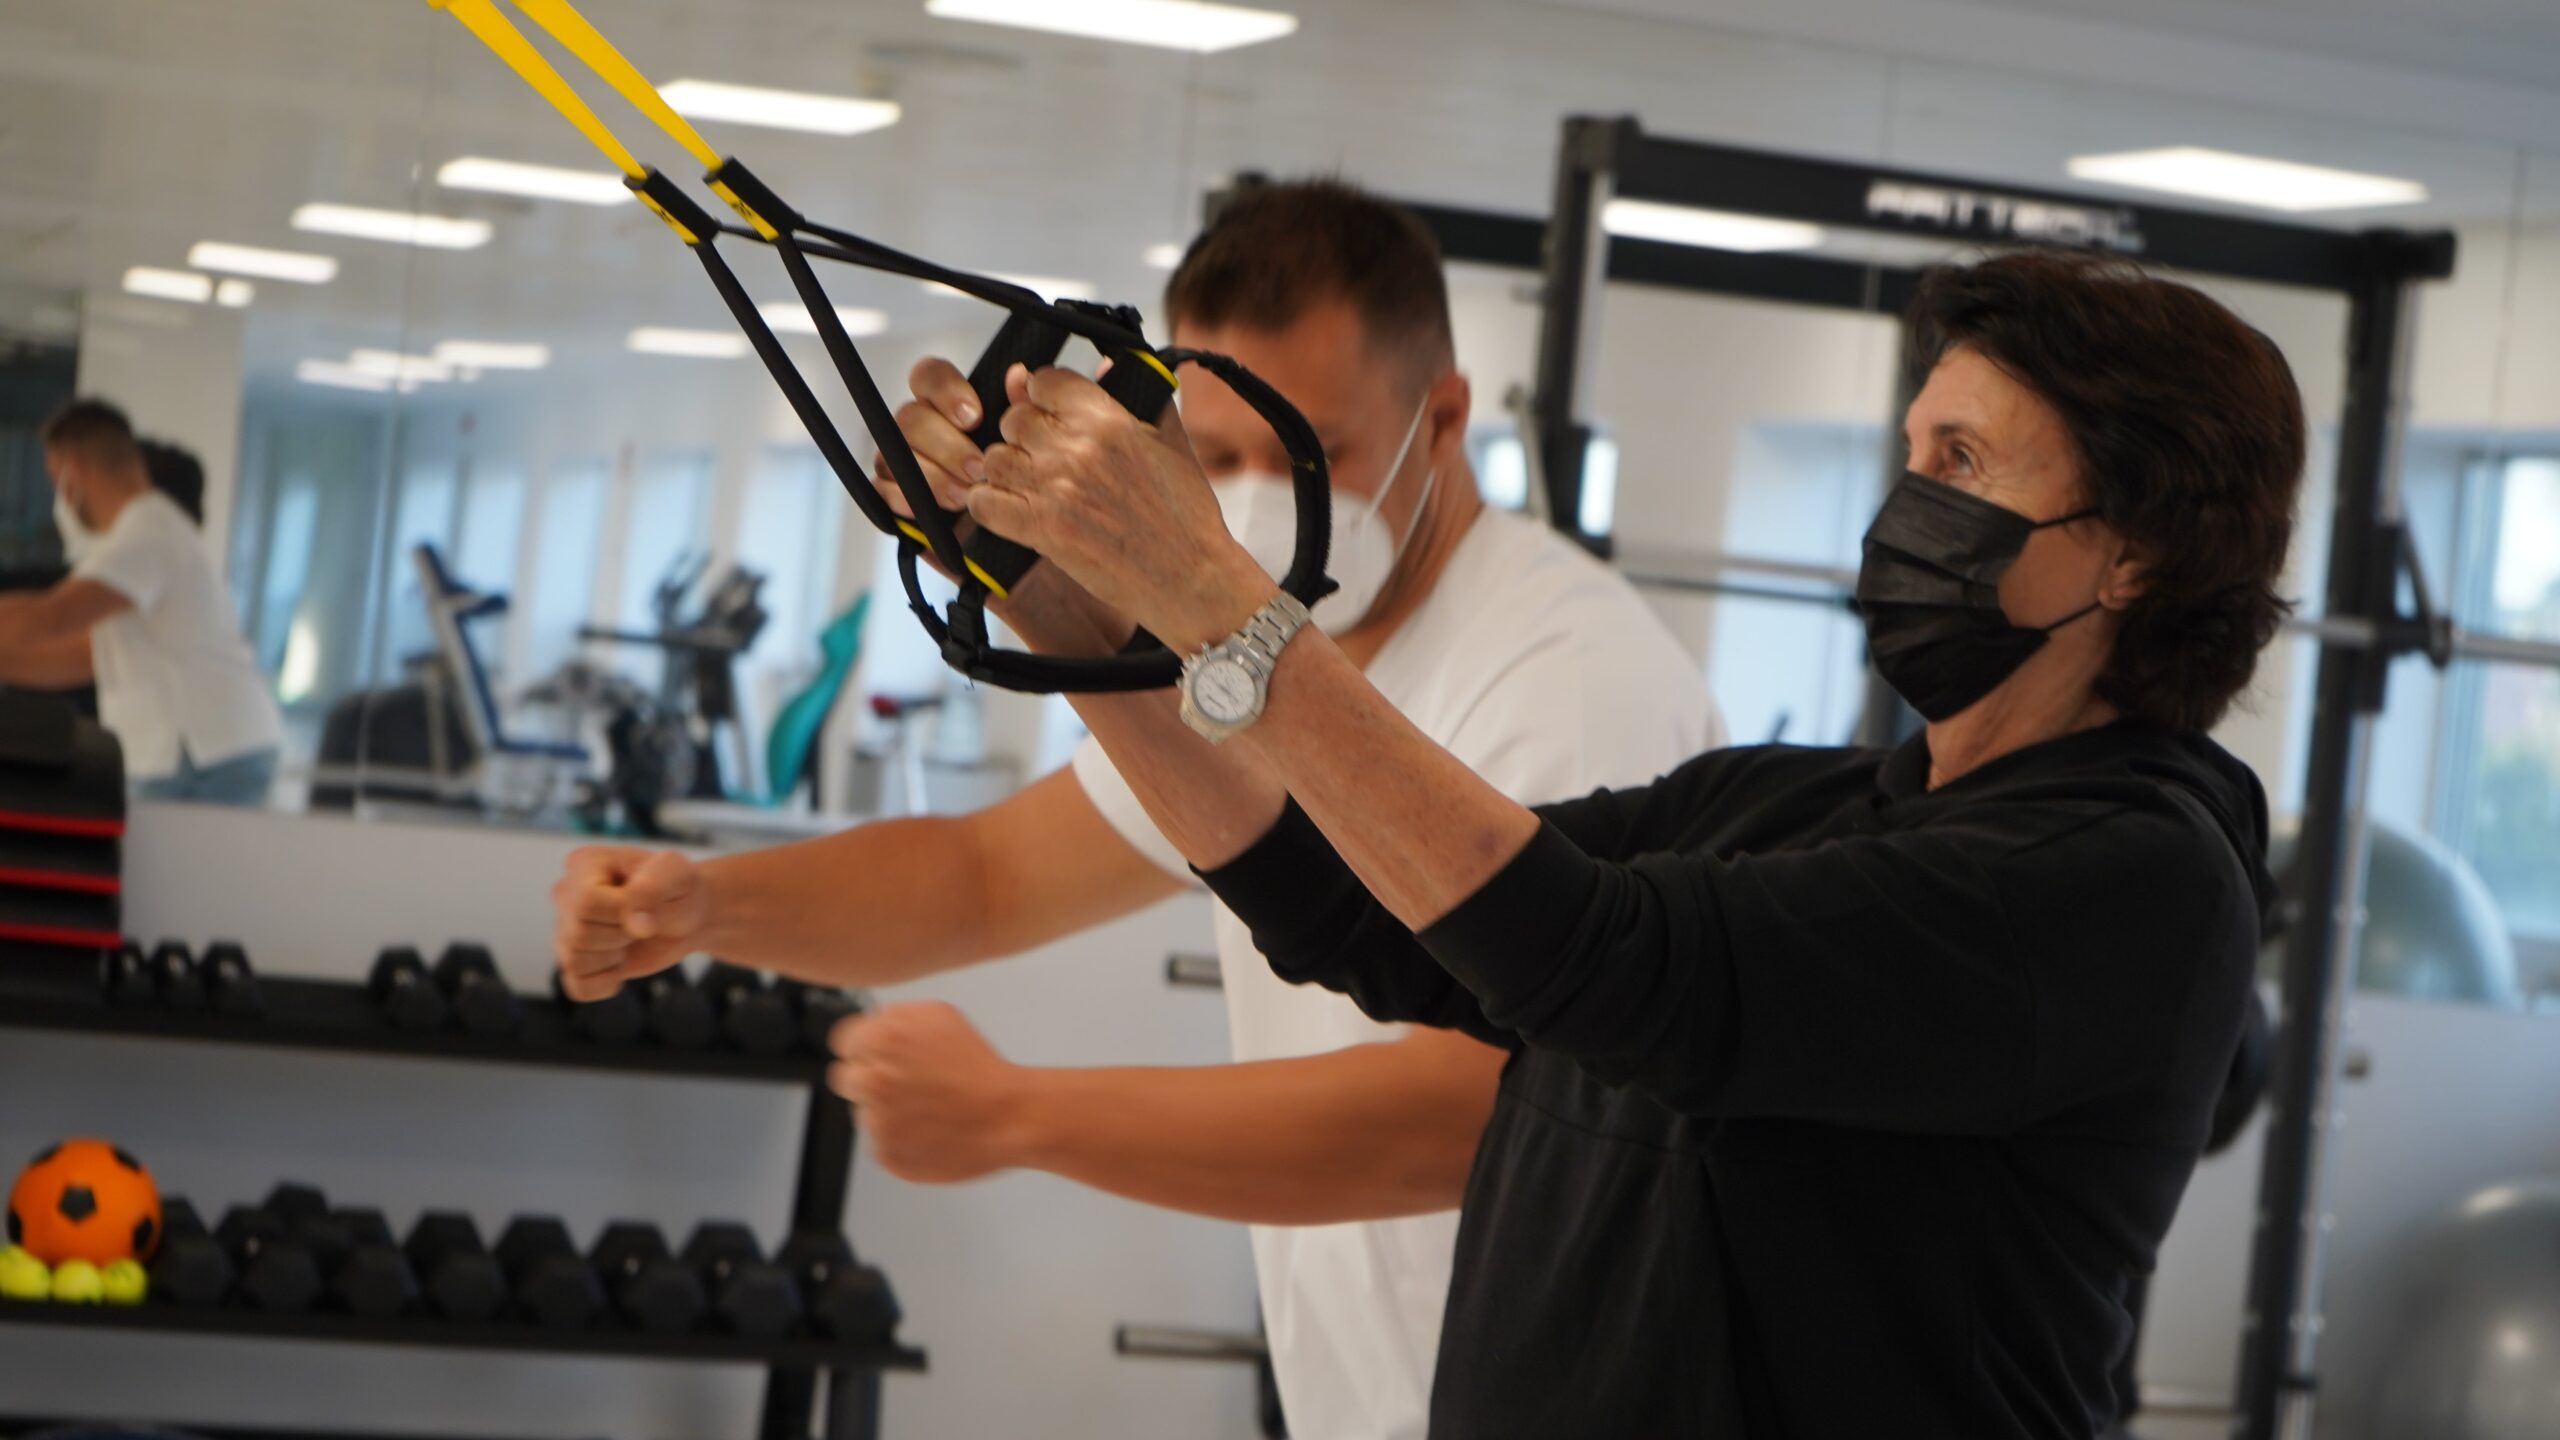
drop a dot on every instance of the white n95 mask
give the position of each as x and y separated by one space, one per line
1261 511
77 539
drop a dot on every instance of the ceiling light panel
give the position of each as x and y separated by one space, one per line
2255 180
160 284
1706 229
300 267
1166 24
537 182
491 354
397 227
778 109
790 317
692 344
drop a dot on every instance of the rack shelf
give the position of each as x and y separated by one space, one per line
332 1015
340 1015
30 1425
451 1335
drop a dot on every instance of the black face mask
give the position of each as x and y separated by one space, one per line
1929 590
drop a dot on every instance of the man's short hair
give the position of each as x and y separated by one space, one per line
94 430
1279 249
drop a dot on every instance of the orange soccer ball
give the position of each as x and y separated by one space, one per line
85 1200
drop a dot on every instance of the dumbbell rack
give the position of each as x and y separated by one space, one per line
341 1016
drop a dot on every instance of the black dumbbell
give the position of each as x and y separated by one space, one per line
229 982
618 1019
128 979
468 975
174 982
374 1279
648 1285
308 1222
847 1299
754 1017
292 1201
405 992
817 1009
554 1285
277 1272
750 1295
458 1276
680 1014
190 1268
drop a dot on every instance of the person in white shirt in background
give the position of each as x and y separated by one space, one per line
1343 1142
143 617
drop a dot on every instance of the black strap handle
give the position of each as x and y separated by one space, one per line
1141 380
1032 342
1142 384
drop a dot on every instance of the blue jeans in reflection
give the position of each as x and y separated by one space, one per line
241 780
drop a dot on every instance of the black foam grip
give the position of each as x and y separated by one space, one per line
1140 387
1024 340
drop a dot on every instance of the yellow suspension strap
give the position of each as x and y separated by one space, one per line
597 53
1141 379
699 231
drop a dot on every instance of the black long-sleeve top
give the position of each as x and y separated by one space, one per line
1839 1106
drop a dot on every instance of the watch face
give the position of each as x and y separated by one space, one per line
1224 691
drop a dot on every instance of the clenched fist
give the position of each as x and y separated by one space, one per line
937 1101
621 913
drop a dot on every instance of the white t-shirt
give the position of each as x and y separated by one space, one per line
1541 669
172 670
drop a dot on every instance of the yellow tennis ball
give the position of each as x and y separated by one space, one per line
77 1282
23 1276
124 1281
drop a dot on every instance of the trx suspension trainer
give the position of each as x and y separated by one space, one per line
985 565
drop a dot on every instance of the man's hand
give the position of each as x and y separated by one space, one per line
1052 613
621 913
937 1101
1121 505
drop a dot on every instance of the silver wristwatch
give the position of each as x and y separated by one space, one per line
1223 686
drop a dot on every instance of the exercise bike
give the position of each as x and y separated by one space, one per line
698 683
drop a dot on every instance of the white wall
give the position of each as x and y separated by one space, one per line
1012 1285
175 370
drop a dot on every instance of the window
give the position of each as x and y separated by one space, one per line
484 545
1501 465
315 501
788 527
2499 787
297 516
787 532
564 563
423 516
669 518
1794 669
1501 460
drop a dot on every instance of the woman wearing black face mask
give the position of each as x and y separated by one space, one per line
1851 1089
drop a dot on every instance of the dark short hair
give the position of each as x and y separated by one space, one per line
93 429
1279 249
2190 437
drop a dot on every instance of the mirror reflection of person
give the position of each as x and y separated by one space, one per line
1853 1090
143 617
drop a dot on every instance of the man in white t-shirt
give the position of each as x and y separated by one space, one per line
143 617
1343 1142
